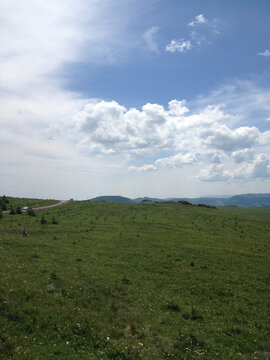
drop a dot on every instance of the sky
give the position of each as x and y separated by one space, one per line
134 98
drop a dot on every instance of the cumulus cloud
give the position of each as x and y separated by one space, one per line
171 162
223 138
149 37
265 138
199 19
108 127
177 108
214 173
265 53
240 156
258 168
179 46
253 167
215 157
177 160
143 168
188 138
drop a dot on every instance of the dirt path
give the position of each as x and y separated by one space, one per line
60 203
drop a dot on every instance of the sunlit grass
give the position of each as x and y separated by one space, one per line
149 281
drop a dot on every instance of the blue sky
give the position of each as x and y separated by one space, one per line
234 34
156 98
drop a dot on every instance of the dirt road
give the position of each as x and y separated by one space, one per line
60 203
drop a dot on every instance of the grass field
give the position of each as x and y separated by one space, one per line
146 281
262 211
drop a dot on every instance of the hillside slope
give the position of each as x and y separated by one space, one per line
134 281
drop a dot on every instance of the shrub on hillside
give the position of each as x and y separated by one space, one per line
31 212
43 221
3 205
18 210
5 199
12 211
54 221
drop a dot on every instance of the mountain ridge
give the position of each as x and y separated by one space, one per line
244 200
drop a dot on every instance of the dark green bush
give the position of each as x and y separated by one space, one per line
12 211
5 199
3 205
43 221
54 221
18 210
31 212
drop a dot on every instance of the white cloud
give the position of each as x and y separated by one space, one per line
265 138
215 157
179 46
49 134
247 101
199 19
202 36
177 160
177 108
149 37
266 53
258 168
214 173
108 127
244 155
143 168
171 162
223 138
38 38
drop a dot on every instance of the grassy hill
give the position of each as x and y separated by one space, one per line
134 281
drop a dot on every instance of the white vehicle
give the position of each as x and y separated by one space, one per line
25 208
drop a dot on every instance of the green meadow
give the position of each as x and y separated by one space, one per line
144 281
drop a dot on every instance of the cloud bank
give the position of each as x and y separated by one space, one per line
193 138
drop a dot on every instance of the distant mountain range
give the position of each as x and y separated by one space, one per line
245 200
